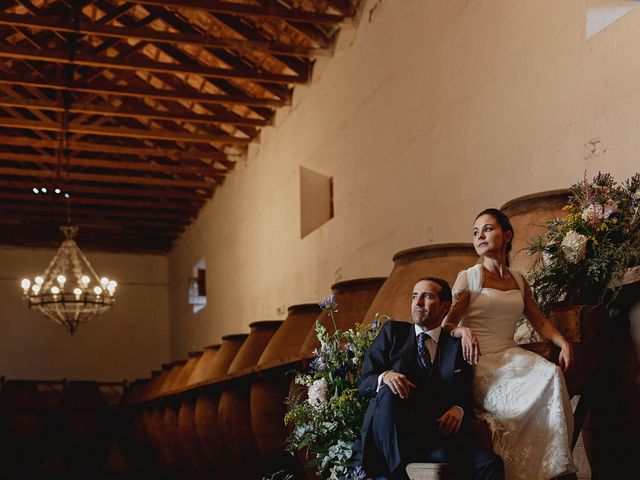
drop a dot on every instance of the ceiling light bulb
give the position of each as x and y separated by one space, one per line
55 290
66 195
112 284
39 280
43 190
35 190
85 280
26 283
57 190
61 279
97 290
104 281
77 291
35 289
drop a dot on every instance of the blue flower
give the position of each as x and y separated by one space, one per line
359 473
329 303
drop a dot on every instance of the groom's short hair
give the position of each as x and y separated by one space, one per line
445 289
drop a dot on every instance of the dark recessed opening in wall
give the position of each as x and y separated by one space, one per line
198 287
316 200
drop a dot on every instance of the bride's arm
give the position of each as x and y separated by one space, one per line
451 322
546 329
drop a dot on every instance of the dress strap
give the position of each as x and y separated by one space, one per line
517 276
474 281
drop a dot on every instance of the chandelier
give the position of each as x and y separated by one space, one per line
69 292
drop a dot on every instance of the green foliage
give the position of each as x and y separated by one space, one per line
328 419
582 257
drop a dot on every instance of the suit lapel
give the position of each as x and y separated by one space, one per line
409 350
445 356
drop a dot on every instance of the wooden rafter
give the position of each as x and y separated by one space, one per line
248 10
101 61
150 92
173 154
124 132
156 36
148 113
102 178
73 161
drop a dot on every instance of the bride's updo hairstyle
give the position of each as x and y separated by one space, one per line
505 224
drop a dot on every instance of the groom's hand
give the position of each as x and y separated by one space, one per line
449 423
398 383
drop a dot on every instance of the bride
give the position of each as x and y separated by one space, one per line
521 395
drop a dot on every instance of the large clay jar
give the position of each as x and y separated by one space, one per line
132 436
85 436
170 444
443 260
354 298
528 215
234 410
187 370
270 389
22 429
208 364
153 413
205 413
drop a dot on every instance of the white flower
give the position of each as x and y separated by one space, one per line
593 213
574 246
318 393
610 208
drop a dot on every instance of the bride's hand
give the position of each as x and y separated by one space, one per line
470 346
565 359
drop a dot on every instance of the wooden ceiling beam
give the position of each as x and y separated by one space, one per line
79 189
74 161
173 205
113 215
54 56
124 132
127 91
147 113
247 10
101 178
94 241
91 222
173 154
147 34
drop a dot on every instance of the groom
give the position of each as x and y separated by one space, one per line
420 396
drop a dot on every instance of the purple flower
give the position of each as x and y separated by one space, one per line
329 303
359 473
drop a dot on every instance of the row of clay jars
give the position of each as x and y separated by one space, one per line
221 421
77 428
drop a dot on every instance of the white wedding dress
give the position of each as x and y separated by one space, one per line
521 395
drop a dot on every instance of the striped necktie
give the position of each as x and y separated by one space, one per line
423 354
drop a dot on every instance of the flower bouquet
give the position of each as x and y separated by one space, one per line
582 257
328 420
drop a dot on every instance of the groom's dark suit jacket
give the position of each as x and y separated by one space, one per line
446 384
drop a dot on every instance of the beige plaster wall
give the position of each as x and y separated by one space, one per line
126 342
428 112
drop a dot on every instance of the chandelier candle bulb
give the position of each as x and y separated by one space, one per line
80 303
